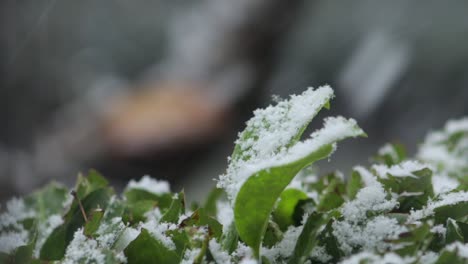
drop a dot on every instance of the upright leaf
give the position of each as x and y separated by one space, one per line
258 194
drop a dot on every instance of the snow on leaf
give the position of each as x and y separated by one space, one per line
149 184
268 156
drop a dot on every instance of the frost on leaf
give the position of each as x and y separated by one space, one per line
447 149
269 154
270 133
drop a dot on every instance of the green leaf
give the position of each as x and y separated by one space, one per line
135 212
415 191
163 201
354 185
47 201
391 154
273 235
229 239
257 196
176 209
283 215
329 241
307 239
146 249
453 233
56 244
210 203
94 220
332 196
200 218
450 257
259 193
414 240
90 183
456 211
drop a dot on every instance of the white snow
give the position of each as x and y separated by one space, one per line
388 149
439 229
367 177
158 231
44 230
10 240
286 246
149 184
357 230
320 253
83 250
434 150
462 249
370 198
404 169
459 125
224 214
445 199
15 211
12 233
219 255
443 183
371 258
190 255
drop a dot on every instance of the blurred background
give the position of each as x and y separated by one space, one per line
162 87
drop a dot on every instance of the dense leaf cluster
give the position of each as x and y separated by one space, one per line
396 210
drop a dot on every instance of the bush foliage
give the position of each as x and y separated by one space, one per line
271 206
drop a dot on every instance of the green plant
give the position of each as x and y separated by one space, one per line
269 207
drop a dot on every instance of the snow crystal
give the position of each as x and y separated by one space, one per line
248 261
10 240
219 255
153 214
357 231
462 249
443 183
367 177
435 150
370 235
83 250
158 230
45 229
370 258
370 198
404 169
429 257
439 229
454 126
440 156
15 211
110 232
13 234
388 149
445 199
286 246
149 184
190 255
320 253
225 215
128 235
243 251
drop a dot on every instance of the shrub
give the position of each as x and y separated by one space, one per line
269 207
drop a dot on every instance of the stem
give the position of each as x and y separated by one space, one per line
80 205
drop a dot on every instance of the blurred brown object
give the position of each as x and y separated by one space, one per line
163 116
